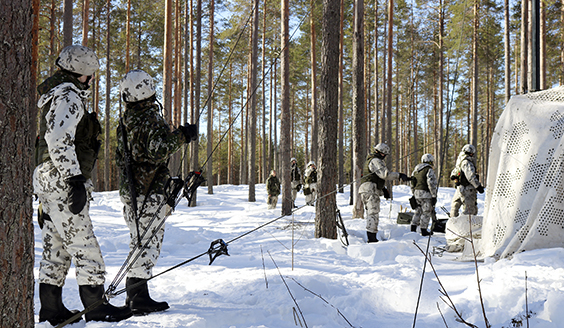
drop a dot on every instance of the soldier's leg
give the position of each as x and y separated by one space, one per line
426 212
469 198
152 234
372 211
55 261
417 216
456 203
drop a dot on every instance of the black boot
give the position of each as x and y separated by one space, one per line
425 232
138 297
52 307
105 311
371 237
413 228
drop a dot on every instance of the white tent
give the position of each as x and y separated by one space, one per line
524 204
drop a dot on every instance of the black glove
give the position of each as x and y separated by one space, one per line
299 187
386 193
190 131
77 193
480 189
403 177
434 201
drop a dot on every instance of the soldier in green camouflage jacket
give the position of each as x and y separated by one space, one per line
273 189
150 142
65 153
424 188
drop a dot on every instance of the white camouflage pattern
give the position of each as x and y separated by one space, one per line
466 195
78 59
312 186
425 211
370 194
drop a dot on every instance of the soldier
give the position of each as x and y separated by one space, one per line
466 181
424 189
374 176
310 183
65 152
295 179
273 189
151 142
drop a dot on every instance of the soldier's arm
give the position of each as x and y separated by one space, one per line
432 182
470 172
380 169
62 119
161 142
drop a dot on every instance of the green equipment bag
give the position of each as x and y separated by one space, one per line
405 218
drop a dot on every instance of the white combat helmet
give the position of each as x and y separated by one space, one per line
311 163
78 59
382 148
427 158
469 149
136 85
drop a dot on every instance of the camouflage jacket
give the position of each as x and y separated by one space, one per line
425 181
68 133
273 186
151 143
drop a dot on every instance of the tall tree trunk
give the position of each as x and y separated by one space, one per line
326 205
107 152
17 109
194 146
507 47
441 141
377 122
542 40
474 103
265 165
209 173
359 118
313 61
285 135
67 23
230 142
275 119
253 105
167 63
340 100
187 76
85 21
523 85
389 82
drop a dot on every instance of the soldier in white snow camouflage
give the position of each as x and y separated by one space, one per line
150 143
424 189
310 183
374 176
65 153
466 180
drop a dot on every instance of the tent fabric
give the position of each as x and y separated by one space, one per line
525 184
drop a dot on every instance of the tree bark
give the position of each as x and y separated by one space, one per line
209 169
507 47
194 145
107 146
85 21
474 103
524 85
326 205
285 115
67 23
340 100
253 105
359 118
17 108
313 61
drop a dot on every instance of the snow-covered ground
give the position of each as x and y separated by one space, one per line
362 285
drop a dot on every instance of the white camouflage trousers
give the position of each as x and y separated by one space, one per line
294 185
371 203
310 199
143 260
424 213
464 196
272 201
67 237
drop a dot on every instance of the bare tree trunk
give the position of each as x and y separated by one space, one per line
507 47
194 145
85 20
167 63
230 143
340 100
313 61
17 109
187 76
441 141
542 55
524 86
326 205
107 152
474 103
285 135
67 23
275 119
359 119
265 165
376 78
209 173
253 106
389 82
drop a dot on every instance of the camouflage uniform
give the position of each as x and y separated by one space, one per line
425 191
310 184
151 143
375 173
67 146
467 183
273 189
295 180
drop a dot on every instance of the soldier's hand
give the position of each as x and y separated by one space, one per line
403 177
386 193
434 201
77 193
190 131
298 187
480 189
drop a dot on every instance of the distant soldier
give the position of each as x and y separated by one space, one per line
151 142
424 189
466 181
65 153
295 179
374 177
310 183
273 189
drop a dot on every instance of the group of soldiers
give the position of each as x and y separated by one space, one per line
65 154
309 184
